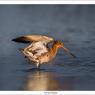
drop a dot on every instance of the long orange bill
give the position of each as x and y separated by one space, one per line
67 50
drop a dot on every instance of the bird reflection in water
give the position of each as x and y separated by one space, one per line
43 81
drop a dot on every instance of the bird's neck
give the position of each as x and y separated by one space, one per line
53 50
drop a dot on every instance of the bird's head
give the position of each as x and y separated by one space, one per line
60 44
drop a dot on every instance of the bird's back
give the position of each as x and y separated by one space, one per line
34 50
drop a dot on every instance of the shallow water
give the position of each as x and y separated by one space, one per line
73 24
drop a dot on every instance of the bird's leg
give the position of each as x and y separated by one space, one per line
38 65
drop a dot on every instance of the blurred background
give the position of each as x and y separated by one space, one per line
73 24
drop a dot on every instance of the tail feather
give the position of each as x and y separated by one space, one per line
21 40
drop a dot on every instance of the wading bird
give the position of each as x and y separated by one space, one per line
38 51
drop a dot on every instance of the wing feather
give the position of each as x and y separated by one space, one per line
33 38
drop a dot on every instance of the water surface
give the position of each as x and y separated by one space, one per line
73 24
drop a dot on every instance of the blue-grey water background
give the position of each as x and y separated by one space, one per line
73 24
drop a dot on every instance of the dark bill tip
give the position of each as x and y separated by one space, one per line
72 55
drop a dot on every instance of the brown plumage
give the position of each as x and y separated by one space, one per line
38 51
